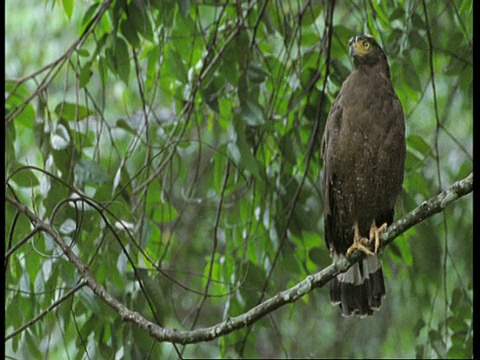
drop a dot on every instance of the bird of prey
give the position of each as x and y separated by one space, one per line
364 150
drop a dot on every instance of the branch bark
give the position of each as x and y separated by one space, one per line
427 209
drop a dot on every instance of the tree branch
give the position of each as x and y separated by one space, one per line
427 209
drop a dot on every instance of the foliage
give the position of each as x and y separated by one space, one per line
175 146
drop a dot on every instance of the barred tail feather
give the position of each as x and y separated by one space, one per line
360 289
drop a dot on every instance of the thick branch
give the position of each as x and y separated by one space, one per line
425 210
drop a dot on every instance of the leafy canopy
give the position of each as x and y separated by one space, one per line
175 147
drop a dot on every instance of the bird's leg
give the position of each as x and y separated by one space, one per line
359 243
375 233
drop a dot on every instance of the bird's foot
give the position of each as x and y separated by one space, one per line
375 233
359 243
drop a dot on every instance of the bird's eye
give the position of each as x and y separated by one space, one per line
366 44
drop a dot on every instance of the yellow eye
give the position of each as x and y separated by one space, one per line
366 44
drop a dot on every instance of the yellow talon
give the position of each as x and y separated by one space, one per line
359 243
375 234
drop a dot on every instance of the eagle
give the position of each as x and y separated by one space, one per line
363 149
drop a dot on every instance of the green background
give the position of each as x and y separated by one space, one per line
196 127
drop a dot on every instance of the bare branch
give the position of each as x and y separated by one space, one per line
427 209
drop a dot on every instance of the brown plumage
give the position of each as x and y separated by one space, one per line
364 155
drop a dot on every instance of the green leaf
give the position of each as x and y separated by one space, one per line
406 253
122 124
122 60
118 10
90 301
394 41
252 113
25 177
456 41
85 74
417 21
310 37
315 10
419 144
63 149
457 296
10 135
461 59
419 351
164 213
340 72
464 169
397 13
242 88
234 152
128 30
458 352
416 40
69 111
16 100
395 253
413 160
138 19
88 15
31 341
83 52
344 33
256 73
457 325
184 7
418 327
319 256
211 92
159 209
254 279
100 44
118 59
410 76
416 182
289 261
287 148
122 183
242 153
68 7
437 343
242 45
228 65
89 172
177 66
256 276
102 66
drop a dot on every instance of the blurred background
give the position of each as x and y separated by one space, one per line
175 147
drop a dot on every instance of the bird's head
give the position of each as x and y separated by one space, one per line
366 51
362 46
